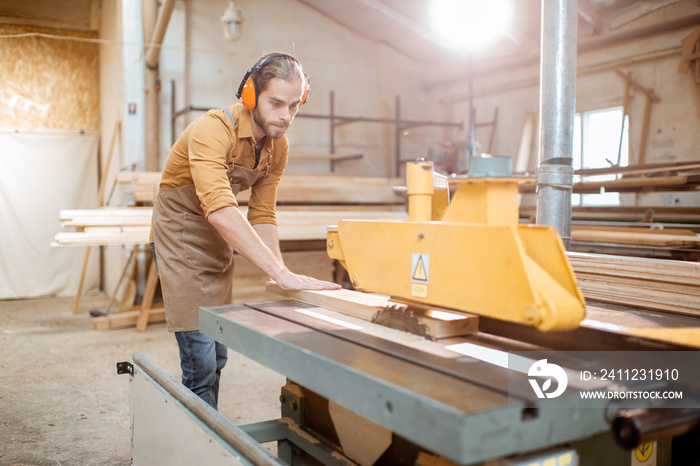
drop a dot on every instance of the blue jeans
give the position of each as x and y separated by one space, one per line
201 361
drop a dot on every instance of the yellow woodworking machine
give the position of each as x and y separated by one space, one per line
469 254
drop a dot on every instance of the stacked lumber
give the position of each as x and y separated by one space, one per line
636 241
664 285
102 236
106 217
104 226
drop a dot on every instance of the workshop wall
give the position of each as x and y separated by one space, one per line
49 121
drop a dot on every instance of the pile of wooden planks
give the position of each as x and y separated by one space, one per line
104 226
636 241
664 285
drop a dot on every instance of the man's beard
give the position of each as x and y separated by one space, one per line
270 129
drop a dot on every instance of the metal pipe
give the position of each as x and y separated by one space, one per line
230 432
159 33
472 111
332 115
173 112
150 14
397 168
557 94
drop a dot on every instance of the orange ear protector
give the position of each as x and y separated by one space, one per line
248 90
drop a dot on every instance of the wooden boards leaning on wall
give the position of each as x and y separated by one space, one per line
663 285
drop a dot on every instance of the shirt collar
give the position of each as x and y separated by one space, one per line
245 129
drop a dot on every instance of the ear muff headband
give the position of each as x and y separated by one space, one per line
248 90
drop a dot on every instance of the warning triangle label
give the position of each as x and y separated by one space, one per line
419 273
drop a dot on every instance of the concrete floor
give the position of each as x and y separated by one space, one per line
61 400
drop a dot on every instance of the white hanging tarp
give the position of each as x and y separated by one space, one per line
40 174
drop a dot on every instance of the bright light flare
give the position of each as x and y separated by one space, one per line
471 24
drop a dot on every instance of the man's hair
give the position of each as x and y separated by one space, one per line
287 68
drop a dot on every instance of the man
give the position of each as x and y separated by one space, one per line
196 221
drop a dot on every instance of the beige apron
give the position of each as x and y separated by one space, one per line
195 264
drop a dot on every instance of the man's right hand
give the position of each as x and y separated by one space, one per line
292 281
240 235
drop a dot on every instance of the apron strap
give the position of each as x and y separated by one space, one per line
230 117
228 114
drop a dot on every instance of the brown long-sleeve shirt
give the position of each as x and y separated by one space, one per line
203 154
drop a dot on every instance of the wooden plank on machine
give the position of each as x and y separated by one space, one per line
439 323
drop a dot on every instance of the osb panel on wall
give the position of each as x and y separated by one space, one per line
48 82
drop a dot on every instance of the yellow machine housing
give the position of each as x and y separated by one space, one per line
471 256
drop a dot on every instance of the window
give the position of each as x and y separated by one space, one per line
598 139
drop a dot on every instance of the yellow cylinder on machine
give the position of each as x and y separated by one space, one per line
419 179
